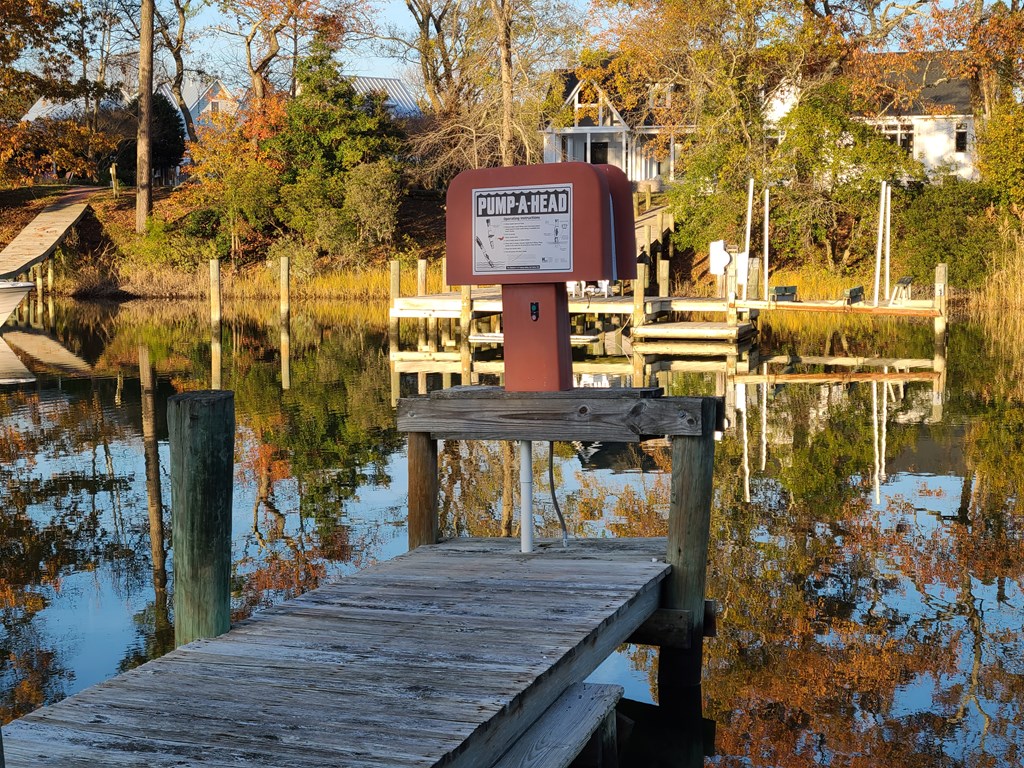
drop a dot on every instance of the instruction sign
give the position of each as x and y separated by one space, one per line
522 229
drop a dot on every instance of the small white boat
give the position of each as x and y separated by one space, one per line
11 295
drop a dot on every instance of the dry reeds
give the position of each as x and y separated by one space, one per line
999 308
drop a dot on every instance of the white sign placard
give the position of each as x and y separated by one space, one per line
522 229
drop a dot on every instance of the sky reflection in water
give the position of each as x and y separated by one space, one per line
853 632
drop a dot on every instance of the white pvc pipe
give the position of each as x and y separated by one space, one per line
764 416
888 238
874 424
746 249
878 239
526 495
765 264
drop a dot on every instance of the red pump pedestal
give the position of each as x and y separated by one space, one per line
531 229
535 319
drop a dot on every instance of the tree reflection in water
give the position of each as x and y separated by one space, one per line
852 633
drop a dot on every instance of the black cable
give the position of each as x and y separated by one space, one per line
554 499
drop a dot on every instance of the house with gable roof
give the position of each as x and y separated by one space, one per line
936 126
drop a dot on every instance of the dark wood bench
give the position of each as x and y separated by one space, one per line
782 293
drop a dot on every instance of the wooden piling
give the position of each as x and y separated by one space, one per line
395 293
465 320
201 429
151 449
639 295
49 277
423 506
731 313
286 289
214 291
663 276
940 301
689 525
421 277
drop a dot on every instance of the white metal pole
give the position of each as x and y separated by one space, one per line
765 260
888 237
526 495
874 424
764 417
746 248
746 450
885 419
878 239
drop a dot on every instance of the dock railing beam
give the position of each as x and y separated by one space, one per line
628 415
201 431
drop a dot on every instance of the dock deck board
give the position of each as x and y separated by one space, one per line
37 242
442 656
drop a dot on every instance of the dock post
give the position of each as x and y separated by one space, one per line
49 276
154 499
421 290
396 292
286 286
941 271
689 526
639 291
465 319
214 291
201 430
424 525
731 315
286 316
663 273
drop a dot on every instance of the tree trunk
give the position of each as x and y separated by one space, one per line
502 11
143 169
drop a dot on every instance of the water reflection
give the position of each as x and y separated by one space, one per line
867 542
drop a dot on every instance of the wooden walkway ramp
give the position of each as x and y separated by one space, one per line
37 242
441 657
48 351
12 370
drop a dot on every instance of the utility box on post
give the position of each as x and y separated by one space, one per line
531 229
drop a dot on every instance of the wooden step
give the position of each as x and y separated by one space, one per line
576 339
560 734
694 330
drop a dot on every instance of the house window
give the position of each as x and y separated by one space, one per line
214 107
901 134
599 152
960 137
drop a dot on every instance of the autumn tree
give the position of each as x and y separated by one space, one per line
175 41
264 26
486 69
333 141
30 61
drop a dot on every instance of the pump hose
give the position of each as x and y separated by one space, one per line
554 499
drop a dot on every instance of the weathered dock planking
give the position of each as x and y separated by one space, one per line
37 242
12 370
444 656
48 351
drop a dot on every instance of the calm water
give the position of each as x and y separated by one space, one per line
867 543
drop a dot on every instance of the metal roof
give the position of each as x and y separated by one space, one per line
400 99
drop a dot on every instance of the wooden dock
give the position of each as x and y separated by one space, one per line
37 242
443 656
48 352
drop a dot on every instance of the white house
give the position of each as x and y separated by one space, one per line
600 133
937 127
